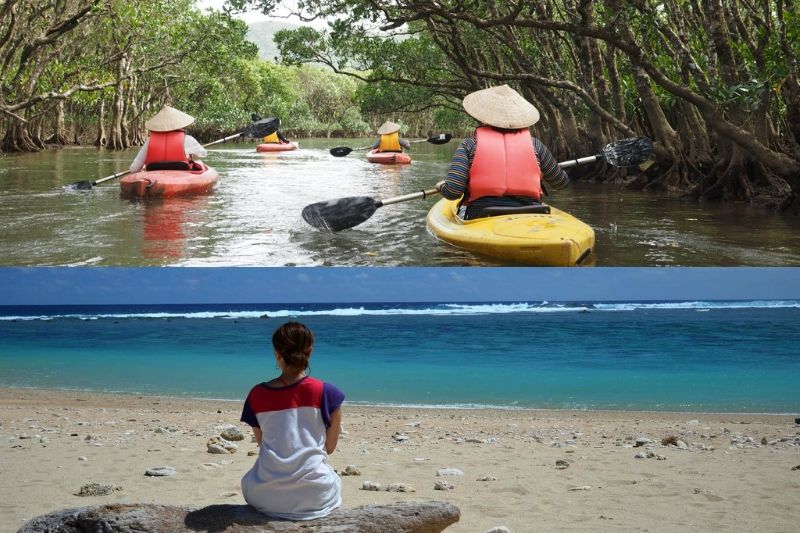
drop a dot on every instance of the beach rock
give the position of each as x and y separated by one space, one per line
561 464
409 517
498 529
487 478
681 445
449 472
160 471
400 437
693 423
370 485
232 433
641 441
351 470
83 458
443 485
582 487
220 445
796 467
96 489
400 487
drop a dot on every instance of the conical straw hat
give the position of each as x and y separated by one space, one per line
501 107
169 119
388 127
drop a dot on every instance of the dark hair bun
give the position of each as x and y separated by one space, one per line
294 342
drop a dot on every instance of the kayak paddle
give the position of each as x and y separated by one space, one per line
442 138
345 213
259 128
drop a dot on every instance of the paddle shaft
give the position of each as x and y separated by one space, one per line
581 161
431 192
124 172
410 196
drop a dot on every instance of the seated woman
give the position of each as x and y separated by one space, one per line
390 140
169 147
296 421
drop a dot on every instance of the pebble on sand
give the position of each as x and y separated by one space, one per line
400 487
351 470
96 489
443 485
370 485
498 529
160 471
449 472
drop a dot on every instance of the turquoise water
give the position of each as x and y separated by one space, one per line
690 356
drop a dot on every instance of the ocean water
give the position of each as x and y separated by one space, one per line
672 356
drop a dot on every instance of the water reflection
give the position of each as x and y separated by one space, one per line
253 216
168 224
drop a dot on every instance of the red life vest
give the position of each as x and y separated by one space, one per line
166 146
504 164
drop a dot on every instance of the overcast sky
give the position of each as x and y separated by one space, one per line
108 285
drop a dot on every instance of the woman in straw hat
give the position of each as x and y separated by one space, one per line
390 140
500 164
168 147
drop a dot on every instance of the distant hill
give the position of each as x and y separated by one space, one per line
261 34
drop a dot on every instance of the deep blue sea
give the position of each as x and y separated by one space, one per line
671 356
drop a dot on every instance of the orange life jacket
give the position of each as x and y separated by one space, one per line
272 138
504 164
166 146
390 143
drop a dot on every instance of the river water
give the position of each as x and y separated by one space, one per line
253 216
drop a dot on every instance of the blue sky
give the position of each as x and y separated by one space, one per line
108 285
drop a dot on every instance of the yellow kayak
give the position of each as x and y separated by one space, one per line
555 239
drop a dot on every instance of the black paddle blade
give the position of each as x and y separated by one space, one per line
340 151
442 138
262 128
344 213
80 185
628 152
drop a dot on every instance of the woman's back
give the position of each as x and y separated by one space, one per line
292 478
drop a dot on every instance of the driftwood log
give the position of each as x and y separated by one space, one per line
400 517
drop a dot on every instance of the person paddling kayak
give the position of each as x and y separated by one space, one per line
390 140
168 147
500 164
273 138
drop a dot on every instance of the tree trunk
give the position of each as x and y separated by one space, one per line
59 136
101 140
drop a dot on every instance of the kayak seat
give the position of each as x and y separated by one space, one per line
496 210
169 165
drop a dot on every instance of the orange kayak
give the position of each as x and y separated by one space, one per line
167 183
276 147
388 158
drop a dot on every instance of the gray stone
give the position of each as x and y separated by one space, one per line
351 470
642 441
443 485
160 471
408 517
498 529
370 485
96 489
681 445
449 472
561 464
232 433
400 487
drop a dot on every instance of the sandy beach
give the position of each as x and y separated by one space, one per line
526 470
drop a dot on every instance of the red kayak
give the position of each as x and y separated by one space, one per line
167 183
277 147
388 158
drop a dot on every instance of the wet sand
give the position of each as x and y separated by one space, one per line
527 470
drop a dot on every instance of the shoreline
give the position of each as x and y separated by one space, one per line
4 390
563 470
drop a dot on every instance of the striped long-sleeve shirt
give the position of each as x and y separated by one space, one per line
457 180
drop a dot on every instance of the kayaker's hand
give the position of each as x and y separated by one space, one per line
439 186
